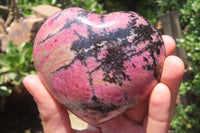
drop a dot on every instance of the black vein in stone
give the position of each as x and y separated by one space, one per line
107 64
112 64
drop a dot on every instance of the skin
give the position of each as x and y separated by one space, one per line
153 115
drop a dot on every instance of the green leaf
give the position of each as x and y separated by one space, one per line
1 79
12 75
12 48
5 69
3 60
14 59
18 80
5 91
53 2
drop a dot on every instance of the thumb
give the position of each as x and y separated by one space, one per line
54 116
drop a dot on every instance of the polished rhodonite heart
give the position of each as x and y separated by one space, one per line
98 66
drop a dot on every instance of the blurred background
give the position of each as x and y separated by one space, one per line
21 19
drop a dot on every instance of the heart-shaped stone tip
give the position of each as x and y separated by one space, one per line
98 66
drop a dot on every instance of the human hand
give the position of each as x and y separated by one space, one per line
153 115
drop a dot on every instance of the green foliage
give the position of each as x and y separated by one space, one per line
92 5
191 42
25 5
15 64
185 120
148 9
190 18
189 115
152 9
114 5
168 5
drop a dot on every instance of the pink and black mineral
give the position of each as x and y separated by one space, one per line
98 66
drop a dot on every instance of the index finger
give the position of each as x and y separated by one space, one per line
170 44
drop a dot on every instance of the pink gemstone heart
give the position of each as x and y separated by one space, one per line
98 66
